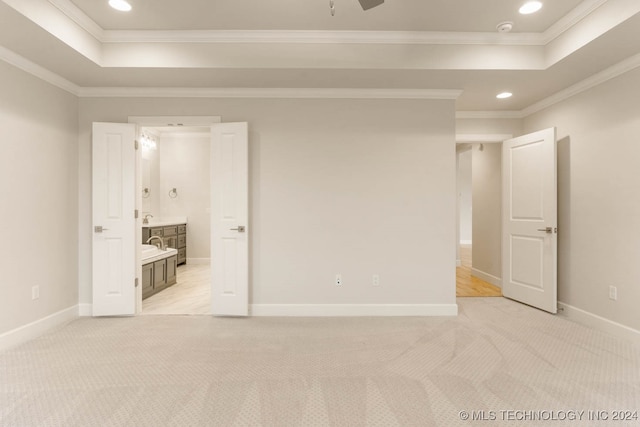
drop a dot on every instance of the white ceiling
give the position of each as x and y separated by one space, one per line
393 15
403 44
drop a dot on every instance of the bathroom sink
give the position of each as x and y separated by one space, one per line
152 253
149 251
148 248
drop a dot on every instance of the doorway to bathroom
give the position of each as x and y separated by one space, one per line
117 191
176 210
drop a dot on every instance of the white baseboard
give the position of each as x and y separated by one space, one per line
599 323
458 263
353 310
85 310
490 278
35 329
466 242
198 261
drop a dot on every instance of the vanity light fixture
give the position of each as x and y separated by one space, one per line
530 7
504 95
121 5
148 142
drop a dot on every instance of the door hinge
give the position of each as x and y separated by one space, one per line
136 282
135 214
136 143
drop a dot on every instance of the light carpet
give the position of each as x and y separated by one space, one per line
496 356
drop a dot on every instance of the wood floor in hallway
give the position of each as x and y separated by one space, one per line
190 295
468 285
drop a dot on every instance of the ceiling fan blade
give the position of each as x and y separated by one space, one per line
368 4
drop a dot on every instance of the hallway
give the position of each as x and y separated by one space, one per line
471 286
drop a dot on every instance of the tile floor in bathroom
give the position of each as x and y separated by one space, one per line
190 295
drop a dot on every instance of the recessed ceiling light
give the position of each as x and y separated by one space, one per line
121 5
530 7
504 95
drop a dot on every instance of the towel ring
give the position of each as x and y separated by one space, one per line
146 193
173 193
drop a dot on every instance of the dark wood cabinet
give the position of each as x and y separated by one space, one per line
147 280
174 236
159 275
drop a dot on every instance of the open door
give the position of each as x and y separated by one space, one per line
529 220
114 257
229 220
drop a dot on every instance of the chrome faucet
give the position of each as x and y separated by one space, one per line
162 246
145 220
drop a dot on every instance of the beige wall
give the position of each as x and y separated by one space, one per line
489 127
487 208
599 197
464 195
38 211
185 165
355 187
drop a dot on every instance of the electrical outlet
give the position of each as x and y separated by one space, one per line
613 293
375 281
35 292
338 279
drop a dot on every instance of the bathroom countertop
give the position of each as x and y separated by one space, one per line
162 222
159 254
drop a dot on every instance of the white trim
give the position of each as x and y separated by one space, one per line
323 37
353 310
36 70
74 13
183 121
597 322
85 310
287 93
36 328
466 242
199 261
458 263
507 114
184 135
490 278
614 71
488 138
572 18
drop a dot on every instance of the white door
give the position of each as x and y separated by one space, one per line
529 219
229 220
114 257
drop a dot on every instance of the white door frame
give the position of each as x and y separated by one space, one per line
156 121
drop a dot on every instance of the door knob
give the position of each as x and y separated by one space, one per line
546 230
99 229
239 229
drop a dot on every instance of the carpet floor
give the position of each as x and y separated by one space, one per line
500 361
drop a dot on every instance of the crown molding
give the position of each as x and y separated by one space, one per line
507 114
576 15
324 37
466 138
355 37
36 70
612 72
74 13
291 93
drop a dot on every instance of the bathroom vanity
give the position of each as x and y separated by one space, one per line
159 269
174 234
